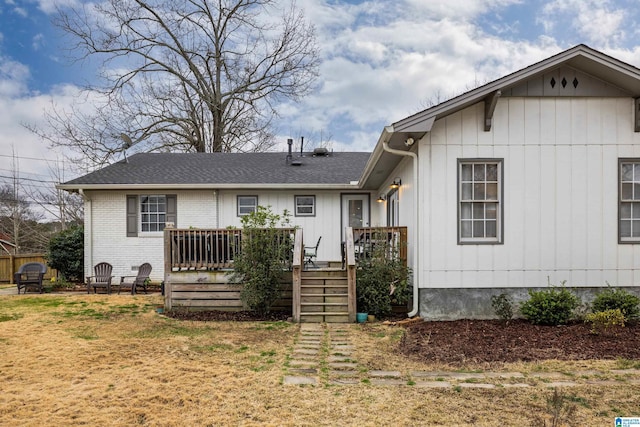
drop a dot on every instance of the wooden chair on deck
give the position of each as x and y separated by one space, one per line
101 278
133 282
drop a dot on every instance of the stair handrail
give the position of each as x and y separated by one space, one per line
350 265
296 266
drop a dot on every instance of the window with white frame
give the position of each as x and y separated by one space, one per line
305 205
629 201
247 205
153 212
479 201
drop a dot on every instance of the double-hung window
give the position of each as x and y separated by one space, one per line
480 205
629 201
305 205
149 213
153 212
247 205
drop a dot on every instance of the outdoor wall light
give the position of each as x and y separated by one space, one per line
396 183
382 198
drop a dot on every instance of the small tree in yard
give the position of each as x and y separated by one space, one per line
382 281
66 253
264 251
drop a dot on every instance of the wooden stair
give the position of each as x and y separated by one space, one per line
324 296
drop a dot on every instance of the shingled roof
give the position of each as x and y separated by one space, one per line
225 170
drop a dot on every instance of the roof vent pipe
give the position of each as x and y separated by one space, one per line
301 144
290 155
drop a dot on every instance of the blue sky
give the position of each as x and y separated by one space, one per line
382 60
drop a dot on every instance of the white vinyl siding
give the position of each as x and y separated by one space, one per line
561 195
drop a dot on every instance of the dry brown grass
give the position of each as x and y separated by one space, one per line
111 360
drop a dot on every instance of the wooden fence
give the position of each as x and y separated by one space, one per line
9 264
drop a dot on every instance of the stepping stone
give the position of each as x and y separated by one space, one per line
464 375
476 385
345 359
433 384
344 381
516 385
294 380
344 373
387 381
303 371
546 375
504 375
394 374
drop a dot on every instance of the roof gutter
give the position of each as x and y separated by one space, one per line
388 131
128 187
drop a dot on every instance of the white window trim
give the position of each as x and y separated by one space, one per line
500 202
238 205
296 205
141 213
621 161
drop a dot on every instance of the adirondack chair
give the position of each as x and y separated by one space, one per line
30 275
101 278
133 282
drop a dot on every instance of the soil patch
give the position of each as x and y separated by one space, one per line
480 341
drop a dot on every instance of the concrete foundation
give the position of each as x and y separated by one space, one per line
467 303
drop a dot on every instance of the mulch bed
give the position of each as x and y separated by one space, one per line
480 341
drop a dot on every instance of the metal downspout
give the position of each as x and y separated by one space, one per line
416 272
88 239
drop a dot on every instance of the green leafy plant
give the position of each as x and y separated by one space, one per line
503 306
611 299
66 253
382 281
604 321
264 253
553 306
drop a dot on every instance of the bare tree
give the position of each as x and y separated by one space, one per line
184 75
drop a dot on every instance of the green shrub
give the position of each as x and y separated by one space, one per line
66 253
553 306
503 306
611 299
264 254
603 321
382 281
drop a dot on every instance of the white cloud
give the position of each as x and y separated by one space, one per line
37 41
21 11
13 78
50 6
599 22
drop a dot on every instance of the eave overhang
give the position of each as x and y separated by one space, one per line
141 187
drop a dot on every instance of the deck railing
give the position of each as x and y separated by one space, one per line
390 241
209 249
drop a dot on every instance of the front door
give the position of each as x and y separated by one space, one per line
355 211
